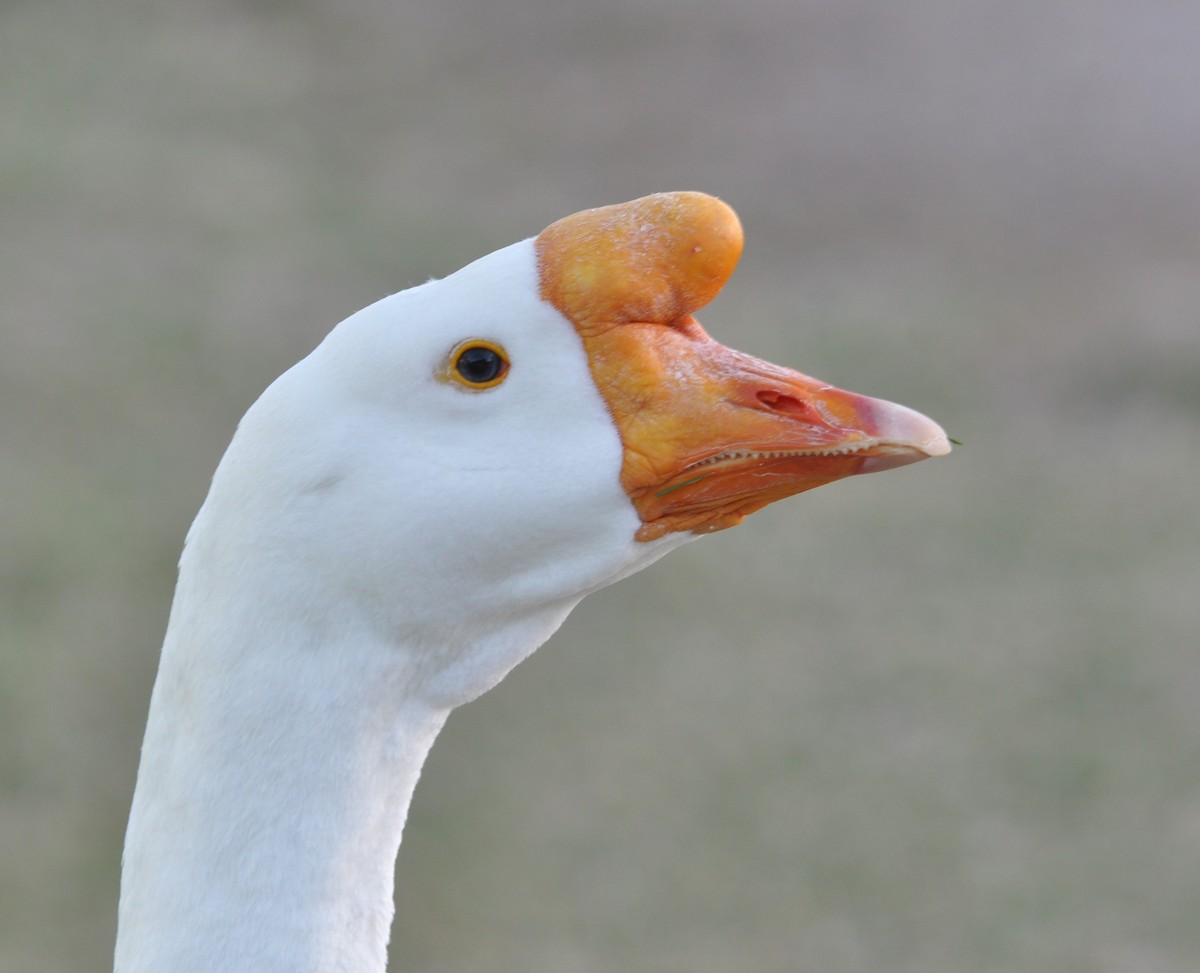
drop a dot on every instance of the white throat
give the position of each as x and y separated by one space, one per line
279 762
268 814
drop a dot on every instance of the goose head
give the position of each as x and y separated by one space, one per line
456 465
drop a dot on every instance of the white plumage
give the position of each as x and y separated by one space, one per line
382 542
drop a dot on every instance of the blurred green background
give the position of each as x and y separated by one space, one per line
945 719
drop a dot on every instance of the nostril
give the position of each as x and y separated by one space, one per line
782 402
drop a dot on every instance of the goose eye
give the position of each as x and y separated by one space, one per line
478 364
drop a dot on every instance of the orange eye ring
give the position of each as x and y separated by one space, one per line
476 365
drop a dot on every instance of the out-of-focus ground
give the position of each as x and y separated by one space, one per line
945 719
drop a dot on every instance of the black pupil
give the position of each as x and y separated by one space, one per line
479 365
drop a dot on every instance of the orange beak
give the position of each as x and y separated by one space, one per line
710 434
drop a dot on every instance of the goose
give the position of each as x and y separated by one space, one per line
405 515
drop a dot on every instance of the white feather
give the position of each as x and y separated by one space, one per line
378 547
